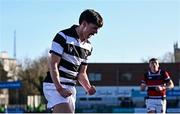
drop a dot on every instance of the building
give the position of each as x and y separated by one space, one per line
176 52
126 74
10 66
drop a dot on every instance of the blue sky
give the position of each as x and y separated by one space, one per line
133 29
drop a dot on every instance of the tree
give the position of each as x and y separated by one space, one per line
32 74
166 58
3 73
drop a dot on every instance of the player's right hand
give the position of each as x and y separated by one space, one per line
91 91
64 92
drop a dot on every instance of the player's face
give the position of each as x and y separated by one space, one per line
154 66
89 30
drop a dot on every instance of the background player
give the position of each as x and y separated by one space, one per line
157 82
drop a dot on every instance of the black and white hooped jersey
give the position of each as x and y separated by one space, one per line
72 52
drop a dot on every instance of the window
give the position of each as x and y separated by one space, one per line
125 77
94 76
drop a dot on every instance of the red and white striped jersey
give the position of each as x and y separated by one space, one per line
152 80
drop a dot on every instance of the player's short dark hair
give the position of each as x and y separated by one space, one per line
91 16
153 59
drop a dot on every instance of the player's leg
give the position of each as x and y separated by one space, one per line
62 108
56 101
66 107
161 106
150 105
164 106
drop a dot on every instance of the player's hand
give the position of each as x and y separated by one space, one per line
160 88
91 91
64 92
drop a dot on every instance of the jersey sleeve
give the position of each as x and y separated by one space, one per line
58 44
166 76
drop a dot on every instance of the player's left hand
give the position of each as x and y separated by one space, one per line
92 90
160 88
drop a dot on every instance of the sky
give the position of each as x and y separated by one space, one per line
133 29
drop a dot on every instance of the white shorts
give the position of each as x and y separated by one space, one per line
157 105
53 97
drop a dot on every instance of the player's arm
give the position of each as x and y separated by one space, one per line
84 81
169 83
54 61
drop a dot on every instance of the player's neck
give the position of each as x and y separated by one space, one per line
80 34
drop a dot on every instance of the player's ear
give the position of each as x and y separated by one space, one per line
84 23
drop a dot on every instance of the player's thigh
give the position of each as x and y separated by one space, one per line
63 108
150 105
161 108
